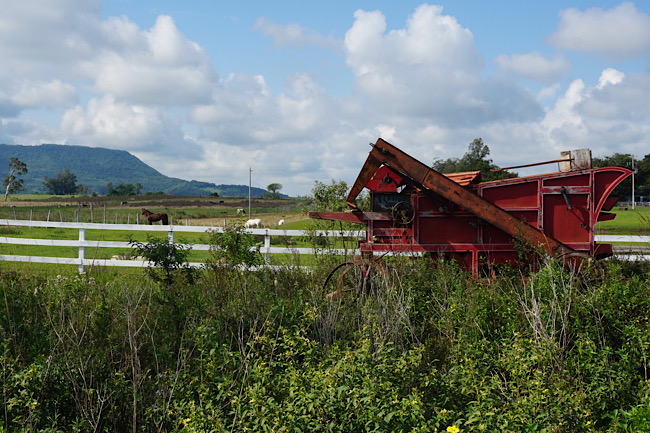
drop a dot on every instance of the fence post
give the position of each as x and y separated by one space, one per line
267 247
170 236
82 250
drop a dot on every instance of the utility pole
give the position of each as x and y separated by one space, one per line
633 170
250 171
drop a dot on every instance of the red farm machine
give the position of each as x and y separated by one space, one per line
481 225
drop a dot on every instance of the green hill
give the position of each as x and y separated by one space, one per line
95 167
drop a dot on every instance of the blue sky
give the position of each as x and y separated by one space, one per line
296 90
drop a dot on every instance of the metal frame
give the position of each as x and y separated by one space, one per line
481 223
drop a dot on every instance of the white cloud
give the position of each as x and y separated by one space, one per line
108 123
612 116
549 93
29 132
534 66
430 69
423 86
159 66
42 39
618 33
41 94
245 113
294 35
564 114
620 98
610 76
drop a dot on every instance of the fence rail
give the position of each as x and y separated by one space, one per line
81 261
82 243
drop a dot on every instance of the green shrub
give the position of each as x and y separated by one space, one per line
427 349
234 247
167 259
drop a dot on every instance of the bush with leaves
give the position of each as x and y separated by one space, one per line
100 352
235 247
169 259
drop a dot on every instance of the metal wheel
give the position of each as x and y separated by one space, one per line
359 276
583 266
402 213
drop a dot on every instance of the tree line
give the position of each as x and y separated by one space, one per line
476 158
641 169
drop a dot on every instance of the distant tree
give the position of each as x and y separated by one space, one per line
124 189
274 189
475 159
641 176
13 183
330 197
82 190
64 183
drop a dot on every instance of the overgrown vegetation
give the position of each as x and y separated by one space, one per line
168 260
426 349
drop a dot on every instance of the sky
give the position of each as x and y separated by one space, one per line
292 92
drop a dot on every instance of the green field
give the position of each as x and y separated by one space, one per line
628 221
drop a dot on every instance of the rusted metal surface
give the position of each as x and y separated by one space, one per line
417 209
534 164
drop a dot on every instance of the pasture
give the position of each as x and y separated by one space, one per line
627 221
208 211
215 211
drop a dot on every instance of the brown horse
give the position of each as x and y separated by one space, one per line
153 217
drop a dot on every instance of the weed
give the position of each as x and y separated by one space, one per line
168 259
425 347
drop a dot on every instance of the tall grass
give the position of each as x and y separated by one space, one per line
424 348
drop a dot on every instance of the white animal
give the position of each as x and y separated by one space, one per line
280 222
125 257
241 211
256 223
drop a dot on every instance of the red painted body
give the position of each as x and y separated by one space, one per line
559 211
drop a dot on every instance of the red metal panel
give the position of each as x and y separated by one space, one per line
564 224
446 229
514 194
606 179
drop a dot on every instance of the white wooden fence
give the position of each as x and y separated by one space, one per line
83 244
267 249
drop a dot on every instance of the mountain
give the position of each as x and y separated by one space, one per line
95 167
